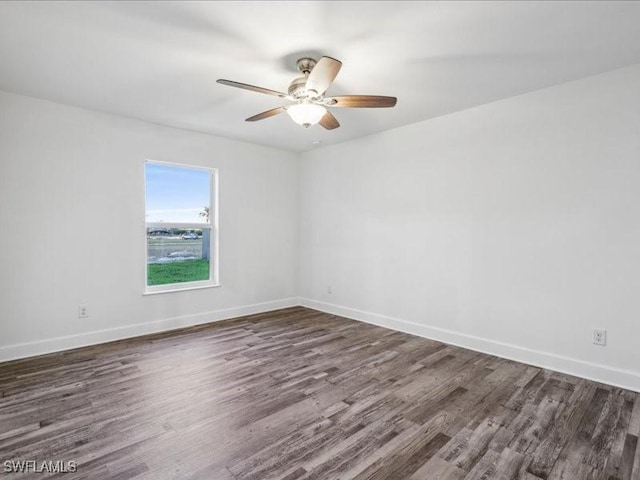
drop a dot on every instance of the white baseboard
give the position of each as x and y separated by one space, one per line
626 379
592 371
30 349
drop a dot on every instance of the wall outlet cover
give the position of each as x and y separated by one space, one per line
599 337
83 311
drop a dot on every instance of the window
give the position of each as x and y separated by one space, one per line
181 227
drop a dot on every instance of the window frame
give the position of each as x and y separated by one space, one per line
212 225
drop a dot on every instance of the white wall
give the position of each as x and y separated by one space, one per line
512 228
72 227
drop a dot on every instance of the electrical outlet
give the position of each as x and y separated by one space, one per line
599 337
83 311
329 290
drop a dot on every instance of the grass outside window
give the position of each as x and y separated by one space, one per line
177 272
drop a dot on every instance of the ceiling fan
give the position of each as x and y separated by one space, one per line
307 93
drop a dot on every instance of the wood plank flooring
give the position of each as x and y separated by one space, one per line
298 395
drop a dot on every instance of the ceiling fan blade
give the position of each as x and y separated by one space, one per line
361 101
267 114
253 88
328 121
323 74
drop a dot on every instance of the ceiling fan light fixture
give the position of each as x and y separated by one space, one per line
306 114
307 93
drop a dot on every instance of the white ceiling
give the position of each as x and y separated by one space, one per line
158 61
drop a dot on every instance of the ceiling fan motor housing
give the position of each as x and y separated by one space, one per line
297 88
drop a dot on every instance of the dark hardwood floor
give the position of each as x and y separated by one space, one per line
298 394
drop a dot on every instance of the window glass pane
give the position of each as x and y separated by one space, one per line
177 255
177 194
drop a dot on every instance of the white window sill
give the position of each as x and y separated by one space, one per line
176 288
